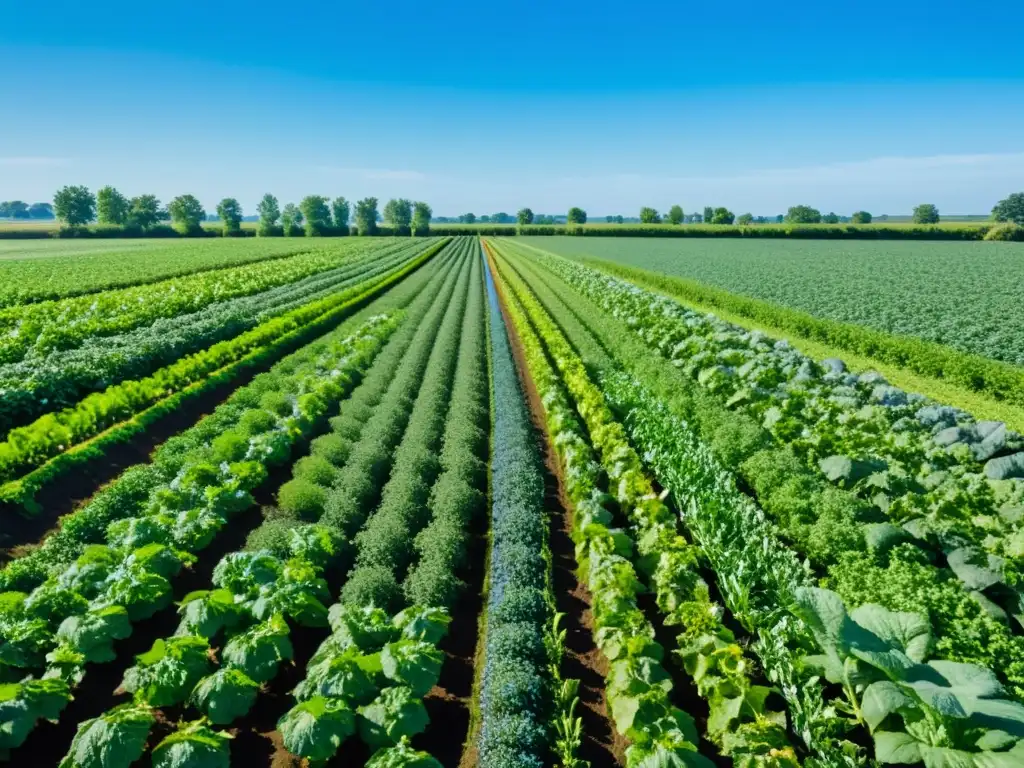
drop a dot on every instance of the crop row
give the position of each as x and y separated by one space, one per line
921 473
652 557
38 385
35 329
258 596
57 441
79 611
63 268
738 539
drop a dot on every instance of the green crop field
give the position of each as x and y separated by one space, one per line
968 296
444 502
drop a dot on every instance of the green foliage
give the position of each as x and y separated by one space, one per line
187 214
394 715
675 215
115 739
926 213
111 207
291 220
269 212
166 674
302 499
340 214
524 217
1006 232
576 216
74 206
401 756
803 214
1010 209
398 215
193 745
207 612
225 696
861 217
421 214
830 218
745 219
649 216
230 213
144 212
23 704
366 216
315 728
722 216
317 215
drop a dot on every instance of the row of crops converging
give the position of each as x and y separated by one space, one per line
456 503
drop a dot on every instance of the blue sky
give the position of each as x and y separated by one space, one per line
491 107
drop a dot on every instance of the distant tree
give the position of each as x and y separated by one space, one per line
722 216
861 217
803 214
709 214
525 216
576 216
111 206
926 213
186 214
421 216
779 219
269 212
339 214
745 219
467 218
485 219
14 209
649 216
144 211
1010 209
501 218
398 215
74 206
317 214
675 215
40 211
619 219
291 220
609 219
230 213
366 216
830 218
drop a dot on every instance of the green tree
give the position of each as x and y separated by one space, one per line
111 207
143 211
709 214
675 215
619 220
269 212
230 213
861 217
317 213
398 215
366 216
501 218
803 214
187 214
524 217
576 216
722 216
421 215
649 216
14 209
74 206
1010 209
745 219
779 219
830 218
926 213
291 220
339 212
40 211
467 218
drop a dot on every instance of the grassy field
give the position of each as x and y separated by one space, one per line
964 295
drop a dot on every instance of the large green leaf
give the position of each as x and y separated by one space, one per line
417 665
316 728
393 715
193 745
225 695
882 699
896 747
116 739
401 756
258 651
910 632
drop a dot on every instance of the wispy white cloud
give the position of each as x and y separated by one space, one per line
33 161
375 174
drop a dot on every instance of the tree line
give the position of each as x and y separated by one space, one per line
314 215
19 209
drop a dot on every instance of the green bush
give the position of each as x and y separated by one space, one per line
1006 232
373 586
332 447
274 535
317 470
302 499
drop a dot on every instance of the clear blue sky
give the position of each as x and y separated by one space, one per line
489 107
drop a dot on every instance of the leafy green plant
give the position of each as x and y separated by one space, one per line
259 650
23 704
166 673
395 714
401 755
193 745
315 728
115 739
225 696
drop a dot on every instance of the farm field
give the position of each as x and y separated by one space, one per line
467 502
963 295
